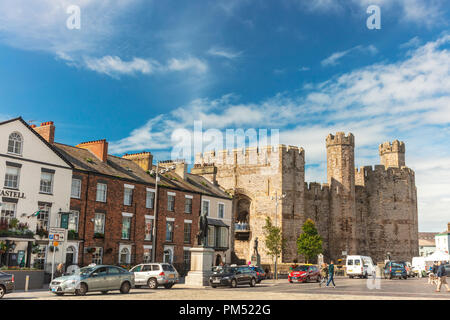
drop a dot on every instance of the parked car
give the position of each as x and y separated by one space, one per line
233 276
359 266
395 269
101 278
6 283
304 273
260 273
409 269
419 267
155 274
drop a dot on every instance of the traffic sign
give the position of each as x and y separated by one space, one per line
57 234
55 243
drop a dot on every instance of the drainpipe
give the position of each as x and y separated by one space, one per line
155 214
85 218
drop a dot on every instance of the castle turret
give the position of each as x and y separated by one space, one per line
341 179
392 154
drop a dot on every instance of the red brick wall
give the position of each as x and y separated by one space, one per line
113 219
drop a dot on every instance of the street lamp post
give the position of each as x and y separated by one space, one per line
276 198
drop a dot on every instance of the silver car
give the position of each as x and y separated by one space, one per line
155 274
93 278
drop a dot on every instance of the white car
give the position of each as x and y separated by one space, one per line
360 266
154 275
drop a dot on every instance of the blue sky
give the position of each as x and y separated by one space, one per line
139 69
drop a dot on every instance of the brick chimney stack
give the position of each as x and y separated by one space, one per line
46 130
99 148
143 159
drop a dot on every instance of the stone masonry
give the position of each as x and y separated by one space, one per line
367 211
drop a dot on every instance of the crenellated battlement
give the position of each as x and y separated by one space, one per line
381 169
312 186
340 139
395 146
265 155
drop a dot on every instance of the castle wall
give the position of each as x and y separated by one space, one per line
367 211
389 201
257 174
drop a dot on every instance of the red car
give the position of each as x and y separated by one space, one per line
304 273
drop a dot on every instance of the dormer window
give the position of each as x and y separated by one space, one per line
15 143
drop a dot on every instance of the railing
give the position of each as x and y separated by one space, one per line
241 227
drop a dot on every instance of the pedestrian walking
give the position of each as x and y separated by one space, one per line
323 274
59 270
331 274
442 277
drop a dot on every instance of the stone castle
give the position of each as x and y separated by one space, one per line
366 211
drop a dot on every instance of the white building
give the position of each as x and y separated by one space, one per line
443 240
36 187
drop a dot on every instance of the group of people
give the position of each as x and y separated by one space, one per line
438 276
327 274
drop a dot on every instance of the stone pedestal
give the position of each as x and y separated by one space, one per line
201 264
256 260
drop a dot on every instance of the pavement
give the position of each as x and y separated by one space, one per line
346 289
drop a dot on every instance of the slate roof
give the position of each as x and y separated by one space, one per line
117 167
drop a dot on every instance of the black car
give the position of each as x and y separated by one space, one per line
260 273
232 276
6 283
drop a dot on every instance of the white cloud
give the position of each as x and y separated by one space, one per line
422 12
335 57
224 53
113 66
189 63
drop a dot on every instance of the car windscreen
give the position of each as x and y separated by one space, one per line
85 271
397 265
168 267
301 268
225 270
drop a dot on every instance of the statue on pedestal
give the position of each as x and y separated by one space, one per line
202 235
255 247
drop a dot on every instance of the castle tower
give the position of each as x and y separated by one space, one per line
392 154
341 179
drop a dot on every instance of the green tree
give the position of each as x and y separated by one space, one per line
274 241
309 243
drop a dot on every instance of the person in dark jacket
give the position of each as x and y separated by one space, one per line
432 278
441 274
331 274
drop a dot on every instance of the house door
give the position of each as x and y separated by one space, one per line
70 256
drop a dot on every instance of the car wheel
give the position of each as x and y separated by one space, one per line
233 283
104 292
125 287
2 291
152 283
291 281
168 286
252 282
83 290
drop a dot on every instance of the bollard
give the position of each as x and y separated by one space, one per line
27 279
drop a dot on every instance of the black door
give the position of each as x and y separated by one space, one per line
69 259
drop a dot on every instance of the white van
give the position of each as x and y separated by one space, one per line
419 266
360 266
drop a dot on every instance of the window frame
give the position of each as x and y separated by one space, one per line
125 218
188 240
172 232
73 213
209 206
79 189
103 221
43 188
20 143
128 195
103 192
8 174
151 199
219 205
170 196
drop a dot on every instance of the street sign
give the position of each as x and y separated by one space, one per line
56 234
55 243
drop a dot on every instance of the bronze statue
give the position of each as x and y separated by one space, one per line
255 247
202 235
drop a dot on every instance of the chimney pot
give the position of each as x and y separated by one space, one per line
46 130
99 148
